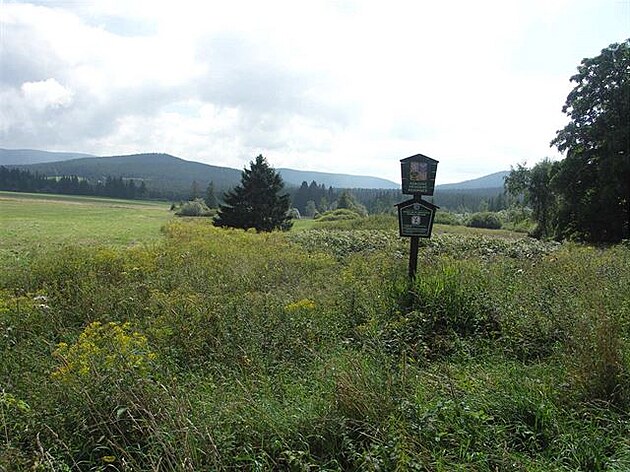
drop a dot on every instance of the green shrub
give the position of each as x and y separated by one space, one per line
447 218
195 207
484 220
337 215
517 218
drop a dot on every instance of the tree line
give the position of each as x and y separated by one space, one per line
18 180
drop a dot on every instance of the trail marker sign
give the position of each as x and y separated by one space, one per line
418 175
415 218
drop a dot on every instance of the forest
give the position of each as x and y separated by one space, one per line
17 180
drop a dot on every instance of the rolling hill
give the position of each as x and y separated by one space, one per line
494 180
174 173
167 176
296 177
32 156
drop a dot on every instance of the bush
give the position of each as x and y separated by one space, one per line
447 218
337 215
484 220
517 218
195 207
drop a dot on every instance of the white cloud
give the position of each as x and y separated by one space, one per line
341 86
46 94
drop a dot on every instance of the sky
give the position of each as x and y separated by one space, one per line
338 86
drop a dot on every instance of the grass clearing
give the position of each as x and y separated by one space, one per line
37 222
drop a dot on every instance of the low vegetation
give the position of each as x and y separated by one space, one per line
222 349
196 207
484 219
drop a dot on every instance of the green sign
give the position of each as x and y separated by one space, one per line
415 218
418 175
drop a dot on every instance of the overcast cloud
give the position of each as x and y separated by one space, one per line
334 86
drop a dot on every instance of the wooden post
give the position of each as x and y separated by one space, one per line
413 257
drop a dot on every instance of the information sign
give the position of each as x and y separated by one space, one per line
418 175
415 218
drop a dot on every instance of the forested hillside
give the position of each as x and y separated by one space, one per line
164 175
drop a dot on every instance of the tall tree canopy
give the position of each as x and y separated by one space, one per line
593 181
257 202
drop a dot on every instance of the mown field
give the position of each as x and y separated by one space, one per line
180 346
36 222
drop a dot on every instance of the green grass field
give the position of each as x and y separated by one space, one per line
36 222
130 340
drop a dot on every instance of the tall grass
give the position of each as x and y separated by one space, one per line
221 349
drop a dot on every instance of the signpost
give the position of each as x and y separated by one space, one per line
415 216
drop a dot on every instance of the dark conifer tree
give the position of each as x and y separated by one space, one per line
257 201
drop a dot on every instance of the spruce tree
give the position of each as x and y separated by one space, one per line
257 202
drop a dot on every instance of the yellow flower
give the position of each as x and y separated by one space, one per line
303 304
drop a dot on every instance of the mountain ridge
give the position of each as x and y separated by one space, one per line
173 171
34 156
178 173
494 180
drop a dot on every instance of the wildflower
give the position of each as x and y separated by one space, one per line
303 304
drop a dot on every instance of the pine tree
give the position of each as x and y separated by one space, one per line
256 202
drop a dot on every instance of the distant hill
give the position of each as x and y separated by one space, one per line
469 194
158 171
32 156
174 176
296 177
494 180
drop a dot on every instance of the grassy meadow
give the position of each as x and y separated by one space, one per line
131 340
36 222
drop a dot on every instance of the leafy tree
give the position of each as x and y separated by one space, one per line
311 209
593 182
256 202
347 201
324 204
535 186
210 199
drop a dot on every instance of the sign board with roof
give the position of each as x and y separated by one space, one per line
415 218
418 175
